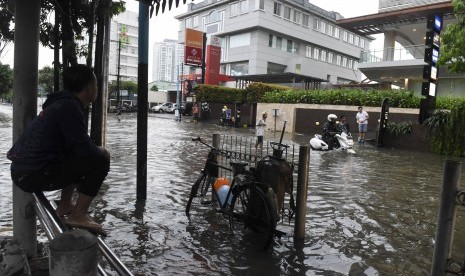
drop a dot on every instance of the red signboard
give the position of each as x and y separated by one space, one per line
212 71
193 47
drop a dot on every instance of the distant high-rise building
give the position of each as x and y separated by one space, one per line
124 28
391 5
167 55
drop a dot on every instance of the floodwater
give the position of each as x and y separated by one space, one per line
372 213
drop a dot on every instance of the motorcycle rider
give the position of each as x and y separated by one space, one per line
329 132
343 125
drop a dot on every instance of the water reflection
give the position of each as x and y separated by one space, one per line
373 213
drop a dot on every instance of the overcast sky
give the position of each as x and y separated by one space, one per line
165 26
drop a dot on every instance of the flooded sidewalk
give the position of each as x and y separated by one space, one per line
372 213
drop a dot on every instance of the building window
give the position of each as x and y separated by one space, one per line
296 17
323 27
344 36
350 63
336 32
239 40
270 40
212 28
279 43
213 16
323 55
305 18
316 53
362 42
344 62
287 13
189 22
244 6
234 9
308 51
195 21
357 40
316 24
239 69
261 4
330 57
355 65
351 38
277 8
338 60
330 30
274 68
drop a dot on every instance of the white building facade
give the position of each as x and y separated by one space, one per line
124 28
278 37
168 58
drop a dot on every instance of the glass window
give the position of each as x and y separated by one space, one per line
188 23
287 13
316 24
351 38
355 65
234 9
362 42
336 32
239 69
195 21
344 62
274 68
261 4
277 8
323 27
213 16
330 30
338 60
305 18
289 46
244 6
296 16
330 57
279 42
270 40
344 36
323 55
308 51
239 40
316 53
356 40
351 63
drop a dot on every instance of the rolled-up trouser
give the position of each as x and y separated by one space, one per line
87 173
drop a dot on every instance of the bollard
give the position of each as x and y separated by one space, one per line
72 253
446 217
216 138
301 201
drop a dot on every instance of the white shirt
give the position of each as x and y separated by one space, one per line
362 117
261 127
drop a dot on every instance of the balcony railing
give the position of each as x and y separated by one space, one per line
393 54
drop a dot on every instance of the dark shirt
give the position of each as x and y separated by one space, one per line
343 127
58 132
327 128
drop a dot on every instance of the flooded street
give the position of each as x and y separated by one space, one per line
372 213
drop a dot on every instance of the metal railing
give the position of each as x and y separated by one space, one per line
393 54
53 226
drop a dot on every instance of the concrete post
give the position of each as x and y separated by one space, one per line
26 58
389 45
216 138
72 253
301 201
446 217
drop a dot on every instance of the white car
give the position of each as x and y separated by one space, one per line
165 107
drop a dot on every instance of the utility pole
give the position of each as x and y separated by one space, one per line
118 102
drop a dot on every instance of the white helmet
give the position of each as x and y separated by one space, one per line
332 116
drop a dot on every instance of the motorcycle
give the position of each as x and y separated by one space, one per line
344 142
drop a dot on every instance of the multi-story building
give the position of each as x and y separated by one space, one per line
124 28
402 59
168 58
283 41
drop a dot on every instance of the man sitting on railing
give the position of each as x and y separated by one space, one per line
55 152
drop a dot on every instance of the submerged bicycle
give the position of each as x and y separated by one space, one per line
245 202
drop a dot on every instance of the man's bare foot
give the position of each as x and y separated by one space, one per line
85 222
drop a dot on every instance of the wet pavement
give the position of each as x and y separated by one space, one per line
372 213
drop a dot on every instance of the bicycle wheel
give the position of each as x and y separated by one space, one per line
198 192
252 216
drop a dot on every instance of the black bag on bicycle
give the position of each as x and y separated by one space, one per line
277 173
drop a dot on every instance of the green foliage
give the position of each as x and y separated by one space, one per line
256 90
6 80
452 41
344 97
130 86
401 128
219 94
46 80
446 130
154 88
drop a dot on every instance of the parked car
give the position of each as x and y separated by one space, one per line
165 107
